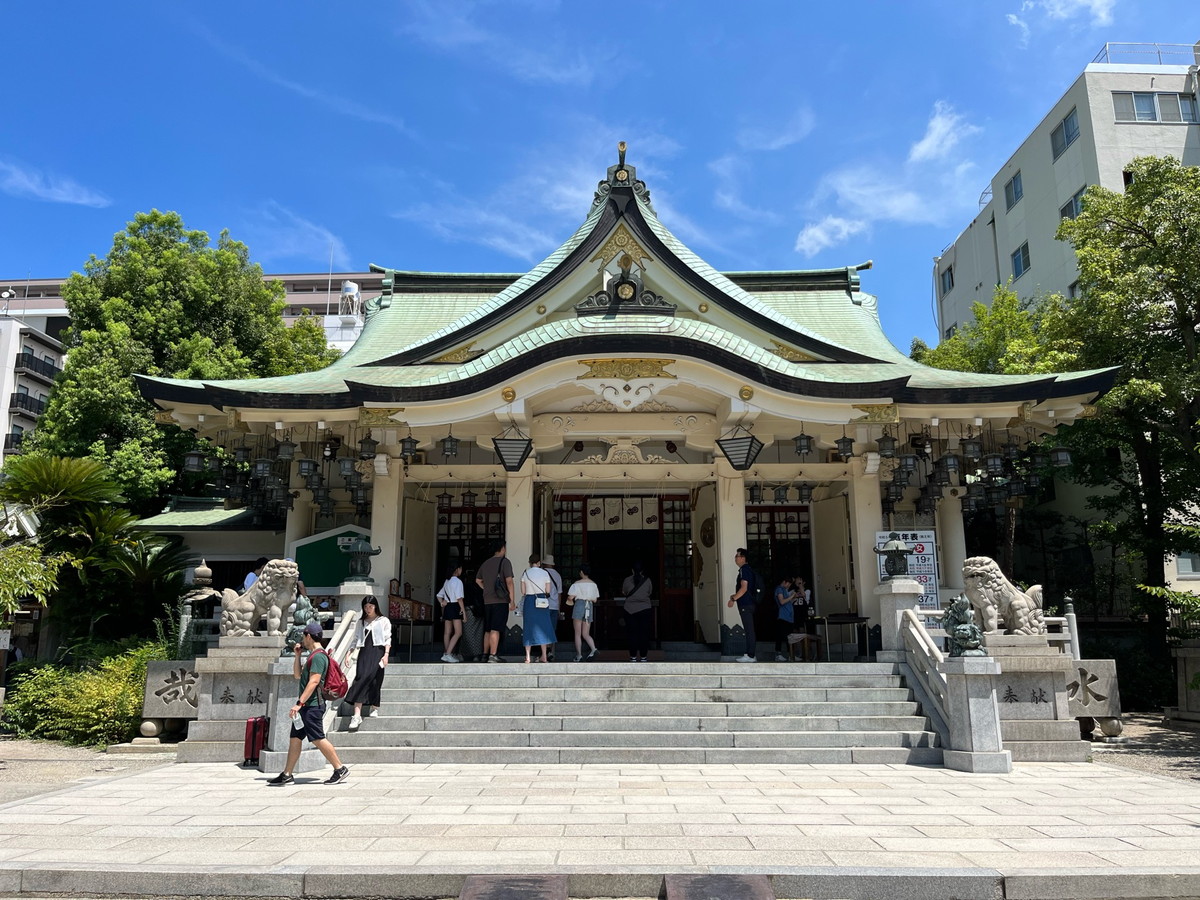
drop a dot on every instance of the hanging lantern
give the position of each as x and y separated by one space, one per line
804 444
926 505
362 510
971 448
193 461
359 495
513 451
491 498
941 475
919 444
1016 487
326 509
408 447
781 494
1039 460
443 500
241 453
804 490
320 495
887 446
993 464
1033 481
895 491
741 448
951 462
314 481
468 498
288 502
353 480
845 446
346 466
449 445
366 447
996 494
901 476
1059 457
285 450
212 464
969 504
1011 450
977 489
306 467
755 492
908 463
887 507
262 468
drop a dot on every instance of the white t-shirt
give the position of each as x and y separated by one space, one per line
584 590
536 580
452 590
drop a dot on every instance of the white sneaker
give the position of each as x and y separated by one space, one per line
779 657
374 713
355 721
746 657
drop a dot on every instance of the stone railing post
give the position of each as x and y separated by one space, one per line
895 596
973 715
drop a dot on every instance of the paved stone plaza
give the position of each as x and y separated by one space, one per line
1051 830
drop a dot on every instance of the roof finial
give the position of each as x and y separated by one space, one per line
620 153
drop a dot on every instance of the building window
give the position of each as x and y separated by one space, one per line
1074 206
1064 133
947 280
951 331
1188 565
1149 107
1013 191
1073 290
23 389
1020 260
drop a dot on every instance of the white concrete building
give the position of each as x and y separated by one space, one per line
29 362
1132 100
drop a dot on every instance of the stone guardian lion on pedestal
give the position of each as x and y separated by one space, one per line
270 596
994 597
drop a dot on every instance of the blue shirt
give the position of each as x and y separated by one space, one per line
787 612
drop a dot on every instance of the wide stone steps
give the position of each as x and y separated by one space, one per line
662 712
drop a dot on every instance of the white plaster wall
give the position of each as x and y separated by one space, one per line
706 591
420 547
229 545
831 563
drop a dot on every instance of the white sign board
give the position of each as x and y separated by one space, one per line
922 563
5 639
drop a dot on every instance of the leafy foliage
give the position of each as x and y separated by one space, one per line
99 704
163 302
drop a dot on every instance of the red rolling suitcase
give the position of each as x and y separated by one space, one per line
256 738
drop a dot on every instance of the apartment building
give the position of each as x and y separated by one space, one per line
1131 100
30 360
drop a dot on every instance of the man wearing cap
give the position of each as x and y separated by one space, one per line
555 593
309 712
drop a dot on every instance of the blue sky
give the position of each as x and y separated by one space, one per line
469 136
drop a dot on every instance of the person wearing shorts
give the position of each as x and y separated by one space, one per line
496 607
453 611
309 712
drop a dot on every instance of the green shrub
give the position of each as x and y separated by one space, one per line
100 704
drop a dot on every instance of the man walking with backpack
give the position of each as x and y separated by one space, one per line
309 712
744 597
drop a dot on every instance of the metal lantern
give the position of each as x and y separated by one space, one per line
513 451
755 491
241 453
1016 487
314 481
804 492
449 445
193 461
993 464
895 491
443 500
919 444
908 462
1059 457
491 498
353 480
326 508
845 446
306 467
468 498
262 467
362 510
741 448
977 489
969 504
887 507
941 475
901 476
971 449
1011 450
1039 460
366 447
320 495
408 447
951 462
285 450
359 495
781 494
1033 481
804 444
346 466
926 505
887 446
996 494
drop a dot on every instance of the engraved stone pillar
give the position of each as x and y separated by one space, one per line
973 716
894 596
731 534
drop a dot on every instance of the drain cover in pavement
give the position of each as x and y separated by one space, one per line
514 887
719 887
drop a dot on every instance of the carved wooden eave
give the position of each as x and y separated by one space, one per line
877 414
791 354
626 369
379 416
620 242
463 354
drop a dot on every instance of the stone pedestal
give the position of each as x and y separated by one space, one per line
974 720
284 689
895 596
1036 721
1188 673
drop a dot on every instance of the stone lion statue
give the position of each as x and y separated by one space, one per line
270 596
994 597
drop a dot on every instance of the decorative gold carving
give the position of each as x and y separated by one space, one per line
1088 412
703 308
878 414
620 242
597 405
508 395
461 355
626 369
746 392
791 354
541 309
378 416
165 417
365 468
655 406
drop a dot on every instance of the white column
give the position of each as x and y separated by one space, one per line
518 524
387 517
952 541
731 534
299 521
866 517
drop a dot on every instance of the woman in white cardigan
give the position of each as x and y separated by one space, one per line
373 638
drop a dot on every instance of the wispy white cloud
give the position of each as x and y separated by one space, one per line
778 135
342 105
933 185
727 196
1099 13
942 133
275 232
31 183
829 232
455 28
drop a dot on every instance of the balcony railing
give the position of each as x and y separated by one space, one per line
27 403
1158 54
12 443
29 364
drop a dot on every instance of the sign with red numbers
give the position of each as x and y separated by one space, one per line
922 562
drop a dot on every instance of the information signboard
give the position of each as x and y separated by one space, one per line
922 563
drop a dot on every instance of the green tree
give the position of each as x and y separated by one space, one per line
163 302
1139 308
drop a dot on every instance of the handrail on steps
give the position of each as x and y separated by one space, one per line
924 661
341 647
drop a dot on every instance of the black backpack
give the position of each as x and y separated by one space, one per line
755 590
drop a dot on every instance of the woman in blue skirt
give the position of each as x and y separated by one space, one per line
539 618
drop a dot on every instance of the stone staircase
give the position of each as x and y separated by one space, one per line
656 712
